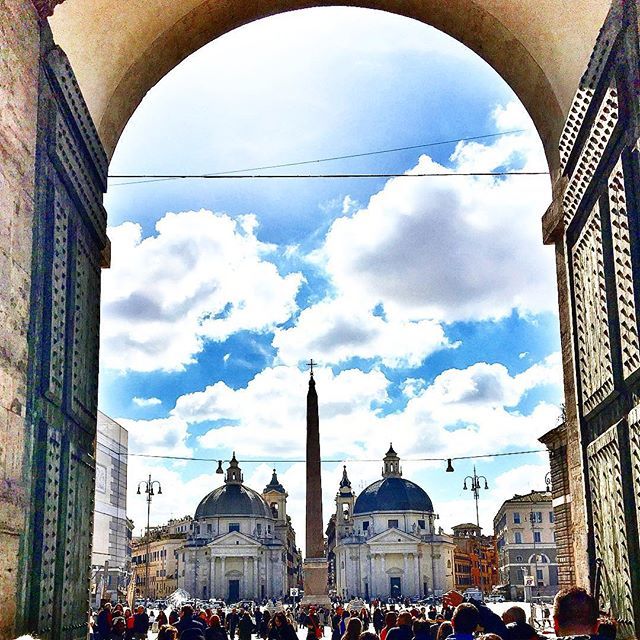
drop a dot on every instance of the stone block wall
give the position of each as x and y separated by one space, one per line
19 48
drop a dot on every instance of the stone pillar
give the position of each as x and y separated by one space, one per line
316 568
416 573
19 69
384 582
256 578
405 575
223 580
245 564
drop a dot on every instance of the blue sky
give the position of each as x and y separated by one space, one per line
428 302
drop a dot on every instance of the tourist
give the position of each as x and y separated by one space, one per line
188 620
140 624
167 632
354 629
161 619
465 621
575 613
445 629
128 618
312 622
364 616
263 627
118 629
515 620
281 629
245 627
369 635
215 630
390 621
232 622
104 621
403 629
421 630
488 621
378 620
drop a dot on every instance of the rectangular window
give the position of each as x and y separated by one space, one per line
392 524
537 516
516 518
536 536
421 524
539 574
518 537
551 517
234 526
259 529
365 525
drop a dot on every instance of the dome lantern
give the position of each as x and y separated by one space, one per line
234 472
391 467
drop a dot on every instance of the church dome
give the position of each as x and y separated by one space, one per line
393 494
233 500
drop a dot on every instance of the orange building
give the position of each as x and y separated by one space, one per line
475 559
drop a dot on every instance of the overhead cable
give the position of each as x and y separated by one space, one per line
158 177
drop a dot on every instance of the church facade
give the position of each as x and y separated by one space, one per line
386 543
242 546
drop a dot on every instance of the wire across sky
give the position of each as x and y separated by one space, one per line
141 178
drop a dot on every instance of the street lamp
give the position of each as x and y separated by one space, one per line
547 481
148 489
532 520
475 488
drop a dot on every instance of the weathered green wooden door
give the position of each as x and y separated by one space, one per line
599 154
69 239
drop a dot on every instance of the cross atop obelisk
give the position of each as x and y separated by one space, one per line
315 564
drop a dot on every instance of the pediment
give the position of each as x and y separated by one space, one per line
393 536
234 539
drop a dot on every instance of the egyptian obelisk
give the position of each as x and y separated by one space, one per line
315 566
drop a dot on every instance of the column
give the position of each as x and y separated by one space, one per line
416 571
210 585
383 576
256 579
267 575
223 581
243 584
405 575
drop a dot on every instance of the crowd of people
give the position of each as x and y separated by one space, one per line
575 617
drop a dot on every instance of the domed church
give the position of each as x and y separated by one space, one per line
243 546
386 544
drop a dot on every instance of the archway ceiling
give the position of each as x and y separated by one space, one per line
119 50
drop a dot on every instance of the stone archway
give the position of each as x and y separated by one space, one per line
120 50
55 151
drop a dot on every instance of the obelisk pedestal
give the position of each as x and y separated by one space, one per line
315 566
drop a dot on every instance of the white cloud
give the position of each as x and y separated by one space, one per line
179 497
269 413
339 330
161 436
462 412
202 276
459 248
146 402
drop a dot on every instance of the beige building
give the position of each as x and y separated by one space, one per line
385 542
111 546
240 543
163 564
525 538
